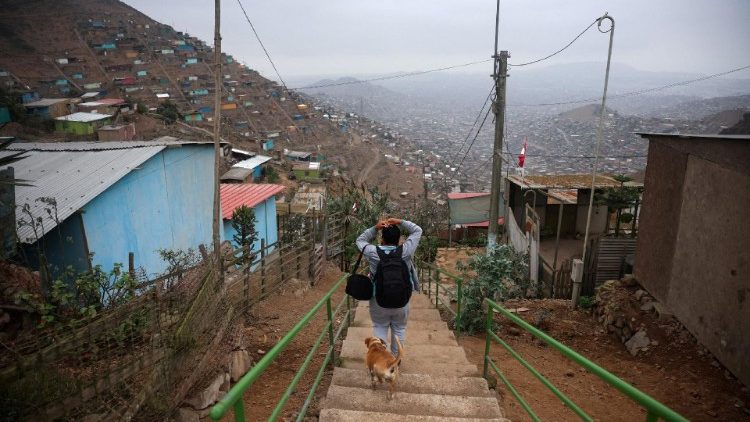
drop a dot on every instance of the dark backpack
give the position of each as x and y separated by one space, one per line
392 280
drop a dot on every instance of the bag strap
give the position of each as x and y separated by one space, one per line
356 266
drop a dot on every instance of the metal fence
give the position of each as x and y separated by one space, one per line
144 357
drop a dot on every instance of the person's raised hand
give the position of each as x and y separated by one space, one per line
381 224
393 221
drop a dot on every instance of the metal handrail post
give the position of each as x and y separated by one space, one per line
429 282
437 288
239 411
459 286
330 324
487 330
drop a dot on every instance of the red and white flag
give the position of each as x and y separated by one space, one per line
522 156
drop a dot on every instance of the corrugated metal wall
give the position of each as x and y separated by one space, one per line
164 203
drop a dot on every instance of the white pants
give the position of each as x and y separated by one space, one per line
385 318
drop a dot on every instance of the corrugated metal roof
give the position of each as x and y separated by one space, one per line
72 177
563 181
237 173
243 152
103 102
249 194
254 162
98 146
464 195
45 102
83 117
298 154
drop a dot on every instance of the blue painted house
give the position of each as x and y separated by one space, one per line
113 198
262 199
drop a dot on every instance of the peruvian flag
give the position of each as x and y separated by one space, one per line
522 156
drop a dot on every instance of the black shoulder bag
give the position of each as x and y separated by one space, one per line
359 286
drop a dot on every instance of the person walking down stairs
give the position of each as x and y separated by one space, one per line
393 274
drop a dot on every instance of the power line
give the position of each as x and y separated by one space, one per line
558 51
261 44
580 156
468 135
422 72
638 92
403 75
475 138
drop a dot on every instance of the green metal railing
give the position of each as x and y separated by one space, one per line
234 398
433 277
654 409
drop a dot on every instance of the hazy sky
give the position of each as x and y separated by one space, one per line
354 37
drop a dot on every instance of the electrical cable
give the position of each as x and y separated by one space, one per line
403 75
558 51
261 44
638 92
468 135
475 138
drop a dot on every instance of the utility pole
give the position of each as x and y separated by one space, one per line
500 75
217 140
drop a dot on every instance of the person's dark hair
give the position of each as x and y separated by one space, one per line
391 235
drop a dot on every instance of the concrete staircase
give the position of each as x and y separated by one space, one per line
437 383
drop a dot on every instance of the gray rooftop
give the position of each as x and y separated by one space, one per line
254 162
237 173
45 102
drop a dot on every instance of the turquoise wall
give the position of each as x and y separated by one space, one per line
165 203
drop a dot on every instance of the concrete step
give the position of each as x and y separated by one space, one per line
419 314
403 403
413 336
435 354
412 324
418 383
341 415
416 301
421 366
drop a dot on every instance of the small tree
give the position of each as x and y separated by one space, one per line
272 175
243 222
169 112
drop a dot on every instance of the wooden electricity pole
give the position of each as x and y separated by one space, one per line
498 106
217 140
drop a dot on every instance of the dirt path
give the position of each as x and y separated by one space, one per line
370 165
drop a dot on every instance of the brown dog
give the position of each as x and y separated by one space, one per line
381 364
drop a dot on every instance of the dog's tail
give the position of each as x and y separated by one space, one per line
399 353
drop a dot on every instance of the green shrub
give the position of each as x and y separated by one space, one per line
586 302
501 275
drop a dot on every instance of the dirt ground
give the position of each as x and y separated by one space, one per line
271 320
677 372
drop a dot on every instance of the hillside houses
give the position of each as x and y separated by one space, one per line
131 57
